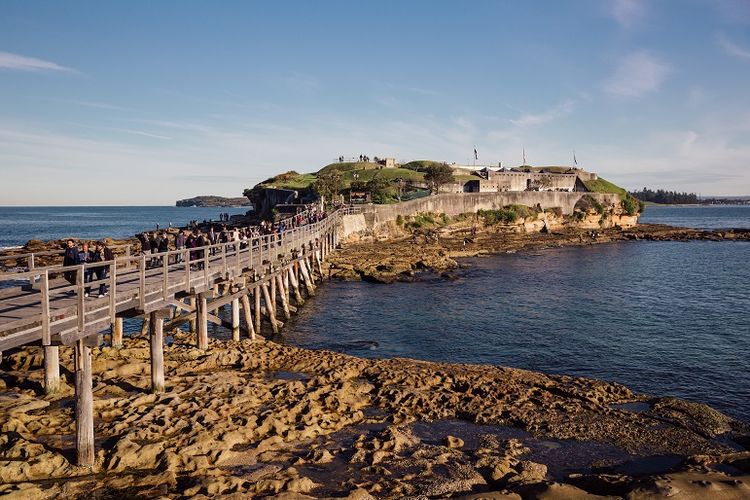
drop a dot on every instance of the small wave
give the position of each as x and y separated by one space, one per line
16 247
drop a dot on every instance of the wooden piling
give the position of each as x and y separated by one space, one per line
319 263
273 291
256 296
84 405
295 286
51 369
282 296
202 318
269 308
117 333
156 339
308 279
236 320
193 322
248 316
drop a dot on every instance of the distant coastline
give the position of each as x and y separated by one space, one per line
214 201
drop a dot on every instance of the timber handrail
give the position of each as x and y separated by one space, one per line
141 282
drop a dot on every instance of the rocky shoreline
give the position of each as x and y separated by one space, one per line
246 419
399 259
260 419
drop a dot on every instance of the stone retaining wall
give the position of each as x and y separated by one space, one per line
374 216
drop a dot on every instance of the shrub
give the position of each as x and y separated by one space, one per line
400 220
631 205
588 202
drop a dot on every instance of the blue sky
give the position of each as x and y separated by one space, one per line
146 102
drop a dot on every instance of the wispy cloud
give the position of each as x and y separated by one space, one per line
559 111
100 105
638 74
23 63
142 133
732 48
628 13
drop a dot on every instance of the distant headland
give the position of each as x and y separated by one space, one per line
214 201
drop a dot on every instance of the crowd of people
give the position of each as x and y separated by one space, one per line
155 243
89 252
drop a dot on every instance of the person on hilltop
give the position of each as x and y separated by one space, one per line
70 258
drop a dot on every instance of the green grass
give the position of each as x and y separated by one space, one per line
290 181
348 166
604 186
420 165
385 173
506 215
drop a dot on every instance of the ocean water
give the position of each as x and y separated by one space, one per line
663 318
699 216
21 224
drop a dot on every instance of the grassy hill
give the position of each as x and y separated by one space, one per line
289 180
601 185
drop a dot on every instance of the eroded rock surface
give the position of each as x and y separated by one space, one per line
228 424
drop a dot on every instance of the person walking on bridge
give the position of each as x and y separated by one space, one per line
70 259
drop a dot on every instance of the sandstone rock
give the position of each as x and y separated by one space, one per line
453 442
529 472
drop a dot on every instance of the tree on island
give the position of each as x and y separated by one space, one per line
437 175
328 184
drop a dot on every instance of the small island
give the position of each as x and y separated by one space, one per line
214 201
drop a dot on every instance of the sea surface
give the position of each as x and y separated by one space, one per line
21 224
699 216
663 318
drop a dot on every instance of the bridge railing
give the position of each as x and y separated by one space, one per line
140 282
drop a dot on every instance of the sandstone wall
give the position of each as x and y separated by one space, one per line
373 217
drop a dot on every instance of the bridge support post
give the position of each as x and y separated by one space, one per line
295 286
287 291
273 292
117 333
84 405
269 308
318 261
307 276
282 296
248 316
236 320
156 339
256 297
51 369
202 318
193 322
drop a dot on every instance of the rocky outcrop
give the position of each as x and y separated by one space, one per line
230 424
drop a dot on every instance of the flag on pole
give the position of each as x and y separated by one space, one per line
524 156
574 158
476 156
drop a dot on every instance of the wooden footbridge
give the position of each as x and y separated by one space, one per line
263 276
